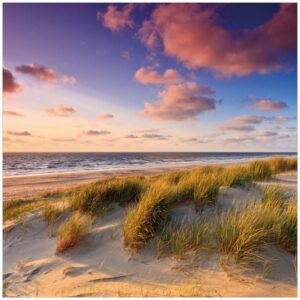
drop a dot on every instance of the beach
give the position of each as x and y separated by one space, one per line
29 186
101 266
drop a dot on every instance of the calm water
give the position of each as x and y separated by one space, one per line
40 163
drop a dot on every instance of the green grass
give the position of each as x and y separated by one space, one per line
278 164
178 238
73 231
14 209
51 213
260 170
287 236
236 176
97 198
143 220
274 195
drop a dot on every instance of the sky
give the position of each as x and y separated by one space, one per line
149 77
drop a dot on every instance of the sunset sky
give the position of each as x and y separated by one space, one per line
150 77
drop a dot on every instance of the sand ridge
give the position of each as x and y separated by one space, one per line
100 266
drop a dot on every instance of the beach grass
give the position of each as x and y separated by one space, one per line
260 170
142 220
51 213
14 209
97 198
177 238
287 236
73 231
241 231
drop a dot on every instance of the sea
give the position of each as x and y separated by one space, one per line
17 164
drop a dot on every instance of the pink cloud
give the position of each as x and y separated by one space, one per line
191 34
61 111
117 19
180 102
149 76
12 113
105 116
96 132
9 83
268 105
19 133
40 72
68 79
281 119
242 123
246 119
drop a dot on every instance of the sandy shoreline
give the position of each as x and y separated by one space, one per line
31 185
16 187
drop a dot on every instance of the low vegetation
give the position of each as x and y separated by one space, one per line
73 231
179 237
98 197
143 220
241 231
14 209
51 213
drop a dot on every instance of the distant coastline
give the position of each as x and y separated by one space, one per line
42 164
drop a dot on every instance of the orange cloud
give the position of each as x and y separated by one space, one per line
191 34
149 76
105 116
68 79
12 113
268 105
40 72
180 102
117 19
9 83
61 111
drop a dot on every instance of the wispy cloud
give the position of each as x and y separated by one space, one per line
12 113
71 80
19 133
105 116
117 19
93 132
267 104
61 111
241 123
155 136
131 136
38 71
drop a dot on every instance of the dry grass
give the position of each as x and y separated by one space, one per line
178 238
73 231
260 170
142 221
51 213
14 209
287 236
98 197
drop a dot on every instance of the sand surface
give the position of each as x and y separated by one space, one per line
100 266
28 186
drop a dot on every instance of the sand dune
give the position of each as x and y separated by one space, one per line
100 266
